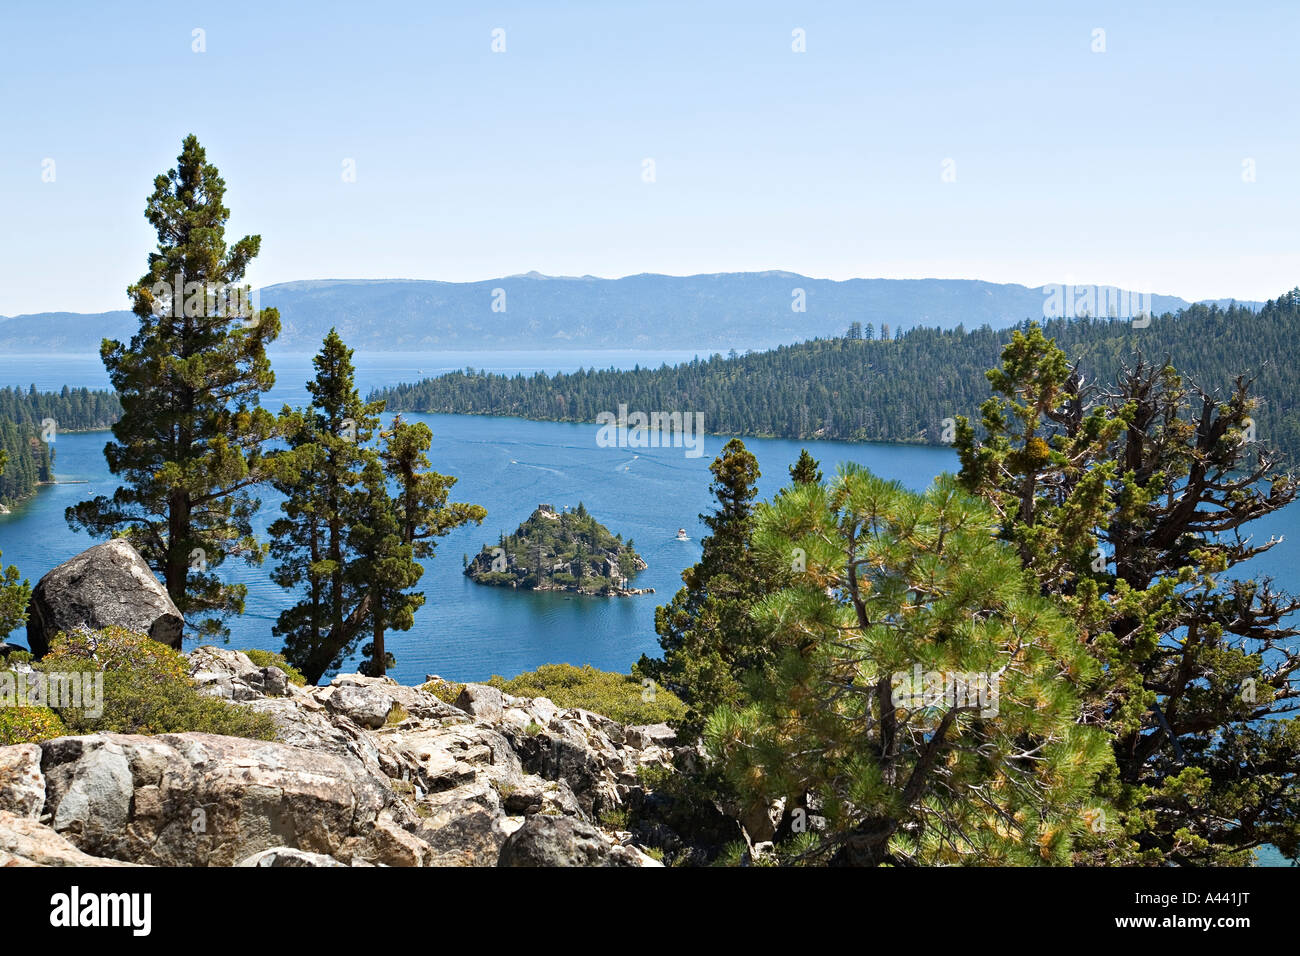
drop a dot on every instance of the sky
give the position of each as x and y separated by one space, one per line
1003 141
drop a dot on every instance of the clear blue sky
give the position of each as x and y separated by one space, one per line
1120 167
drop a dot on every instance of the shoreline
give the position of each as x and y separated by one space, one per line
911 443
586 592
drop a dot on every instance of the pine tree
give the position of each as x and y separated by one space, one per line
14 593
189 444
1129 503
423 509
357 521
394 530
807 470
709 640
385 569
319 474
918 702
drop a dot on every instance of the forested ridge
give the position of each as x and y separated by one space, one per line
22 412
897 389
73 409
28 462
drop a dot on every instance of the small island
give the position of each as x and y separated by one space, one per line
560 551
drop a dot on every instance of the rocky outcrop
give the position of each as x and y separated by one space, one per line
230 674
22 785
364 772
364 706
564 841
26 842
107 585
203 800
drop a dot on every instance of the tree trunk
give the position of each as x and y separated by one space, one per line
378 659
177 560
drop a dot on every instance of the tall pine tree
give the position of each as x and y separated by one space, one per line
14 592
385 570
395 531
708 638
1132 503
807 470
357 520
319 474
189 444
922 698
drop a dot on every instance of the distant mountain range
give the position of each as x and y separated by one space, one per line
740 310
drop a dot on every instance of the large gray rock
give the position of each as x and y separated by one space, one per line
106 585
466 832
284 856
203 800
22 785
563 841
650 735
366 706
481 701
27 842
365 772
230 674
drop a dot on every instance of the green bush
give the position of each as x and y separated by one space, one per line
613 818
147 689
262 658
445 690
616 696
19 723
29 725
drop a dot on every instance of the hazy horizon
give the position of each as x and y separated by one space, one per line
1077 144
126 306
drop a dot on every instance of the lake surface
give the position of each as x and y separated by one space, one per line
468 631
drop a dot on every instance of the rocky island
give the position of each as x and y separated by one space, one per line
560 551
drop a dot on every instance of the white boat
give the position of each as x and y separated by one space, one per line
681 534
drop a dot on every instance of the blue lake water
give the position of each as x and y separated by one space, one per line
468 631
